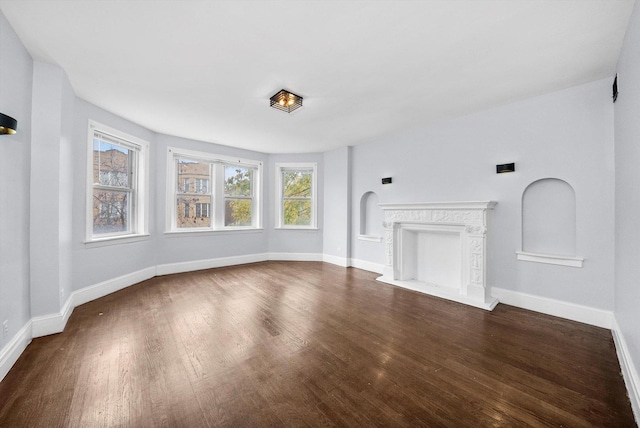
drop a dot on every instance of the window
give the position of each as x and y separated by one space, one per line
238 195
296 195
202 210
202 184
116 184
212 192
196 171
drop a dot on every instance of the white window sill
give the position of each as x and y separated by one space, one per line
116 240
370 238
296 228
201 232
550 259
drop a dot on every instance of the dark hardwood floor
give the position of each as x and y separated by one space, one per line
310 344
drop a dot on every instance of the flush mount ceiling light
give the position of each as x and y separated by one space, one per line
286 101
8 125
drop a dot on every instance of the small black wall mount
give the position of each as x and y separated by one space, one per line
505 167
615 88
386 180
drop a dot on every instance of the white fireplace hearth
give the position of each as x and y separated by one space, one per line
439 248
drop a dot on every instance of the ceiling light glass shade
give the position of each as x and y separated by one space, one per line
8 125
286 101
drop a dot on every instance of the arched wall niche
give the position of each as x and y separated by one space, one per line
549 223
370 218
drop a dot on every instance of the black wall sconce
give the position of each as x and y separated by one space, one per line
506 167
8 125
386 180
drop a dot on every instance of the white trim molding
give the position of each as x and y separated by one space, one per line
464 206
368 266
296 257
190 266
629 373
551 259
93 292
558 308
52 323
10 353
370 238
336 260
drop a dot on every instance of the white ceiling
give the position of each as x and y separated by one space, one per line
206 69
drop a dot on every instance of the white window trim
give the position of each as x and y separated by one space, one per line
140 221
314 194
216 213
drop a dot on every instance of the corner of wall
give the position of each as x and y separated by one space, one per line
629 373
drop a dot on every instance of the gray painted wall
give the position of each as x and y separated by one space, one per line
337 195
16 83
566 134
627 234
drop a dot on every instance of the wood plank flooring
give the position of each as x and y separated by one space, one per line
310 344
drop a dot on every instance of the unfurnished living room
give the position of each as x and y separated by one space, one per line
319 213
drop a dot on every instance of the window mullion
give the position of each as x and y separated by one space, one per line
217 187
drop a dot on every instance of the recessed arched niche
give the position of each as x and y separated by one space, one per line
370 218
549 223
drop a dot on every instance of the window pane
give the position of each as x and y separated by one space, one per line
110 211
193 176
202 185
193 211
237 212
297 212
237 181
111 164
296 183
202 210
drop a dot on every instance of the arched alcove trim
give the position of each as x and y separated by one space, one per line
543 229
368 207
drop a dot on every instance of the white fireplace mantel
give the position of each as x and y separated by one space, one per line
439 248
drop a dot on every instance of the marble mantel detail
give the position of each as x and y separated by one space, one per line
413 259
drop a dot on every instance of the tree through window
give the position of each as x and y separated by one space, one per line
297 195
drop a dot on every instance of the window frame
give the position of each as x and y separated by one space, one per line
216 186
279 193
138 202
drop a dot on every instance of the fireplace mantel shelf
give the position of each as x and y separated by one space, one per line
473 205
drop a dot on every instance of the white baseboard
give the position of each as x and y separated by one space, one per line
171 268
335 260
296 257
93 292
558 308
10 353
369 266
52 323
55 323
629 373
